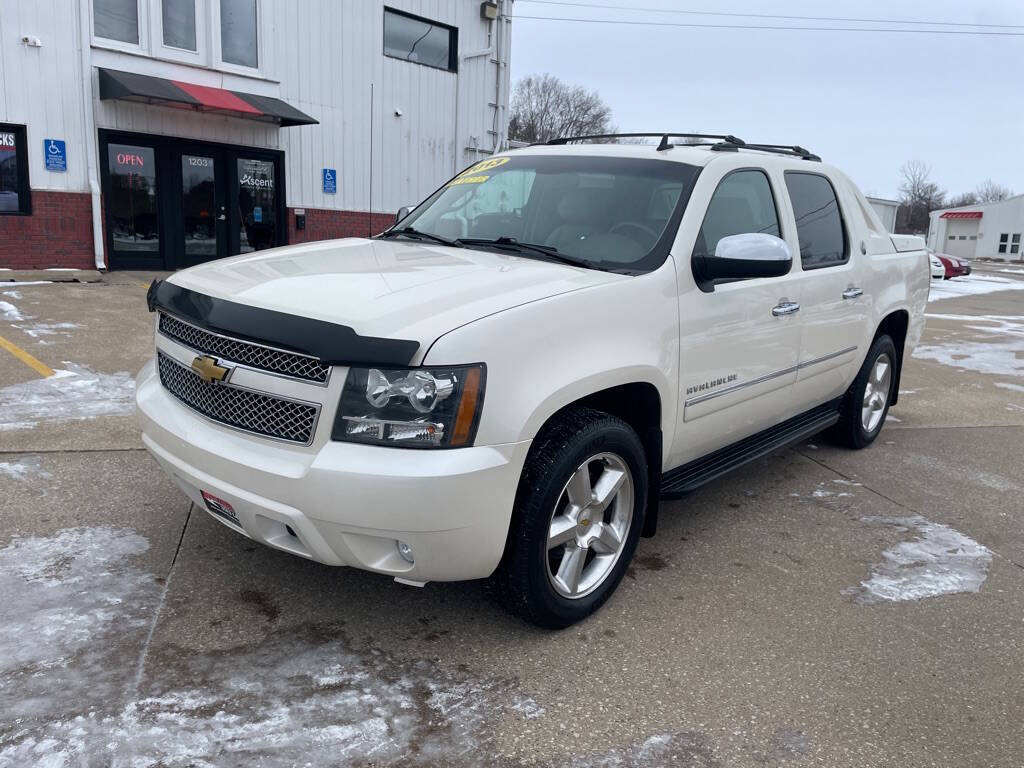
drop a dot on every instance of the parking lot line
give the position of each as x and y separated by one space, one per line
36 365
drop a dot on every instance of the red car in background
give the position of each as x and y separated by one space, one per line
955 267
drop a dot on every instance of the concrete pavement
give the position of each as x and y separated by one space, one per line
749 632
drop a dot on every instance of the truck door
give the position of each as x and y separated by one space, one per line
738 342
835 303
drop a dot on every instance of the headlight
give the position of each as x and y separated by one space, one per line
411 407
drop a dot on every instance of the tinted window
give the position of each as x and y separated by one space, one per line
14 192
131 208
420 40
256 209
742 203
238 43
116 20
179 22
819 225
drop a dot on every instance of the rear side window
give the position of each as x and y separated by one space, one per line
742 203
819 224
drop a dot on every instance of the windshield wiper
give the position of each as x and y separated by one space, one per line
510 243
415 233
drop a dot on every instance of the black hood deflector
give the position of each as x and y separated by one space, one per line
332 343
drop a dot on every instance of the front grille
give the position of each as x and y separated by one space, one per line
245 352
243 409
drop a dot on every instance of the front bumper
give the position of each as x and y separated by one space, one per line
346 504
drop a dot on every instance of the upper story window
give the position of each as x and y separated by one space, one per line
238 38
117 20
14 189
412 38
222 34
179 23
819 223
742 203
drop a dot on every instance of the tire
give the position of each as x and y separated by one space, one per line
857 428
547 576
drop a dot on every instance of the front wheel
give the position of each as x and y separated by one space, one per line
578 515
866 403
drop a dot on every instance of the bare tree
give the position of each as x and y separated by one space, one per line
964 198
990 192
919 196
544 108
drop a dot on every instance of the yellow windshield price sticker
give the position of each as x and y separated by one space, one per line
469 180
472 175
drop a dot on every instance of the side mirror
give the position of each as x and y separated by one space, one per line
739 257
404 211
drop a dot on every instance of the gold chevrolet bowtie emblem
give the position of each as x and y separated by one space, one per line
208 369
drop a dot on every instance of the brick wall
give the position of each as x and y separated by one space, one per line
58 233
324 224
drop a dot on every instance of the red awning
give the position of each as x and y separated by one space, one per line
129 86
961 215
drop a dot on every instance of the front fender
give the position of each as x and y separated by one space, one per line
550 353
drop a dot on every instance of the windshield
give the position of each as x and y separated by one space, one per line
608 212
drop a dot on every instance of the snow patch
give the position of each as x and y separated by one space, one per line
71 394
972 285
302 696
23 470
1001 358
939 561
11 313
686 748
12 294
1008 385
26 322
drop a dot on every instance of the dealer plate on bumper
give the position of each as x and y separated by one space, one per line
220 507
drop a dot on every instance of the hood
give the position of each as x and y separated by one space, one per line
386 288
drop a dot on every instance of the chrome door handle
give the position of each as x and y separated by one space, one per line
785 308
852 293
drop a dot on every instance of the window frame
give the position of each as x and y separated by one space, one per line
142 15
218 42
710 285
21 163
453 39
201 56
796 225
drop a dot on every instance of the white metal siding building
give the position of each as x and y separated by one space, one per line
390 114
987 230
886 210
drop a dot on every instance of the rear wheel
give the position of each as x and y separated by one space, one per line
578 515
866 403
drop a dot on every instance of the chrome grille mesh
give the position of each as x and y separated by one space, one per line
243 409
243 352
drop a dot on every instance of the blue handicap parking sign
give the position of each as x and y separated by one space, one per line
55 152
330 177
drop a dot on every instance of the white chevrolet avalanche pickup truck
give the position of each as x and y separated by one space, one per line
504 384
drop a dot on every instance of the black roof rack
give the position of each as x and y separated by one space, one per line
718 142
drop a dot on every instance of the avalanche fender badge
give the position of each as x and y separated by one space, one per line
208 369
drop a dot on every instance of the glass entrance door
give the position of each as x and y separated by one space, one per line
171 203
203 207
257 204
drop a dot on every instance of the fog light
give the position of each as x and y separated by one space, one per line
405 551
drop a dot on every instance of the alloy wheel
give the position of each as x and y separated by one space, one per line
590 525
876 393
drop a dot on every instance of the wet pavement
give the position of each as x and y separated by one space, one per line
822 607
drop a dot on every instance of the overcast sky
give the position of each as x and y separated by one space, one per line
865 102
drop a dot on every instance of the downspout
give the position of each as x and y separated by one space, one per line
459 146
89 126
